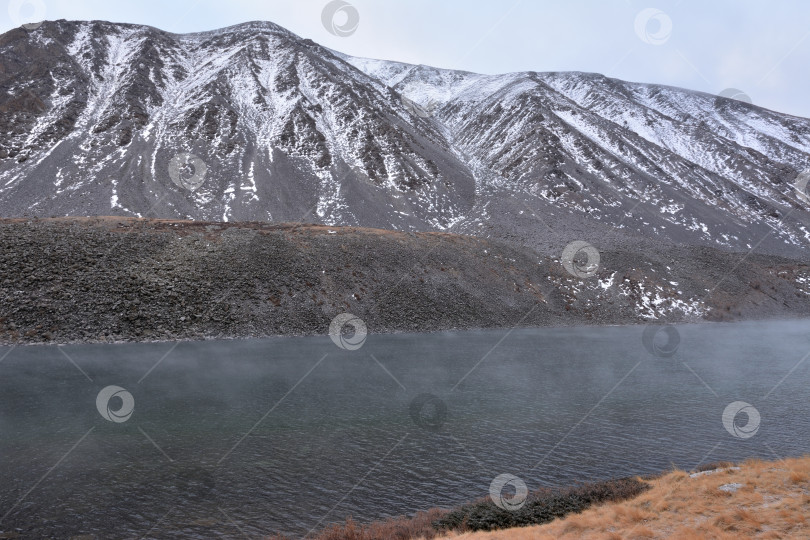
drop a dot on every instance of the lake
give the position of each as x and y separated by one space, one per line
252 437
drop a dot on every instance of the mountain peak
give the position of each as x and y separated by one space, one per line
252 122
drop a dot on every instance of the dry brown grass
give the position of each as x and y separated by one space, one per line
774 502
399 528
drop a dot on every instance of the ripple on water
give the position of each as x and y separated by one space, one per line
552 406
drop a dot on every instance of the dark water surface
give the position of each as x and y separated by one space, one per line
247 438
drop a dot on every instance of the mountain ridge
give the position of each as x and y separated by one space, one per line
105 118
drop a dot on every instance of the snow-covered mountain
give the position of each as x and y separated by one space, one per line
284 128
255 123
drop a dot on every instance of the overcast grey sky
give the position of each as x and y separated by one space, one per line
759 47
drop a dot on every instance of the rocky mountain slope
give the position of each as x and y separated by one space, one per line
255 123
285 130
119 279
652 160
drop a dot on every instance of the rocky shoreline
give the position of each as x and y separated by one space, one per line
724 501
67 280
538 507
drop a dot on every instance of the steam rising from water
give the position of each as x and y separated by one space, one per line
300 442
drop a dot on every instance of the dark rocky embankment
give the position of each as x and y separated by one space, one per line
116 279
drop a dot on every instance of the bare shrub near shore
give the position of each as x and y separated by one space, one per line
542 506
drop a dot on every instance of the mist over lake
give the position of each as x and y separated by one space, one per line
289 433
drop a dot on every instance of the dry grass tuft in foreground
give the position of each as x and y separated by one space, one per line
758 499
400 528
